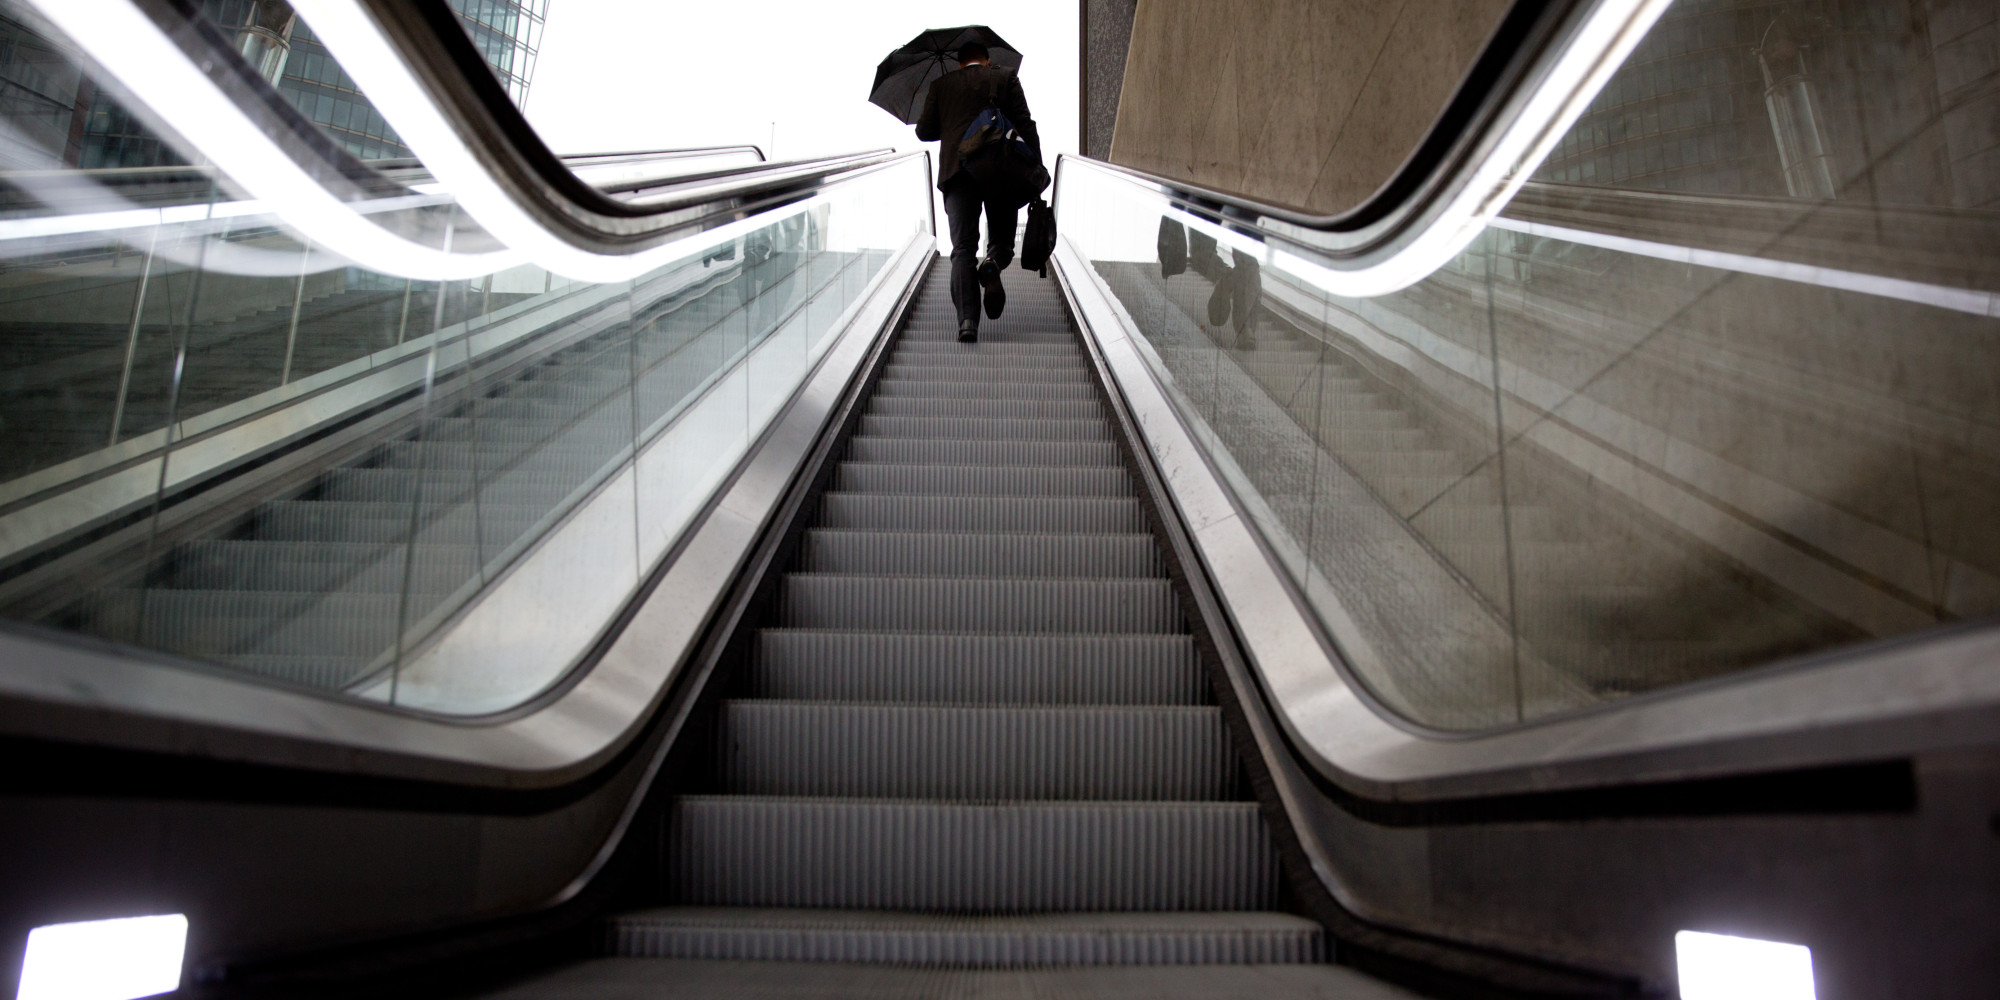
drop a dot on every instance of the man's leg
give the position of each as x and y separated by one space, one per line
1000 220
961 210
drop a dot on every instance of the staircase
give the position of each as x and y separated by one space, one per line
974 732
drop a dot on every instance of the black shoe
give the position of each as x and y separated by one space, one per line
968 331
989 282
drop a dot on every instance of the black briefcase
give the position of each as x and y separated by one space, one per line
1039 242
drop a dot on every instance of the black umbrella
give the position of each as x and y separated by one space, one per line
905 77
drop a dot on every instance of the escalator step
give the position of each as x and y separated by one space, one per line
999 350
982 480
898 372
971 858
218 622
327 521
1018 409
891 512
976 752
980 554
989 336
918 389
315 567
988 669
1042 939
973 428
962 452
1074 361
931 604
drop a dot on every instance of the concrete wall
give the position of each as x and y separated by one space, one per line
1308 103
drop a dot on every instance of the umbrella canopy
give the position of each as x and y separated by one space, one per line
902 80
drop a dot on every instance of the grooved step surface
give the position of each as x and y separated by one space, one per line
1069 361
985 428
897 372
910 451
983 480
921 979
966 554
908 389
1028 409
967 857
905 604
973 730
976 752
1047 515
1063 348
969 669
1225 938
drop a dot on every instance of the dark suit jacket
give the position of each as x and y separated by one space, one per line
958 97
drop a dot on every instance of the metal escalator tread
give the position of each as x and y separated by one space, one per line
973 730
1157 938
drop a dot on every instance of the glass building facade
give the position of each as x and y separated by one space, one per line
315 84
507 32
40 93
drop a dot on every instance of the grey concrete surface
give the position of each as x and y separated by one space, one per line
1308 104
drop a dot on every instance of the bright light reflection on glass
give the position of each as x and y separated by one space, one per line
1726 967
104 959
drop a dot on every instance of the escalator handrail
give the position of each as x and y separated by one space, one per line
1540 69
533 207
419 51
191 188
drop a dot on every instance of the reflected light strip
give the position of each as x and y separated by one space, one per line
130 47
1964 300
375 65
75 223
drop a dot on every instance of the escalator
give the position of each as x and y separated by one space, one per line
310 586
977 692
529 576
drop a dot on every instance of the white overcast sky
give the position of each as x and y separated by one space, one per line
654 74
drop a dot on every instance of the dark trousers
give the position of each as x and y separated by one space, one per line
963 201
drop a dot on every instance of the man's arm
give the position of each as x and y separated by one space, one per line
927 123
1014 103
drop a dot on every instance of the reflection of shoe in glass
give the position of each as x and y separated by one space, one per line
968 331
1219 300
1248 292
989 282
1172 246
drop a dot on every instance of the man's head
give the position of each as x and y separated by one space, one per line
971 53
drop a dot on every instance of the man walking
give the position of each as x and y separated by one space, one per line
954 101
